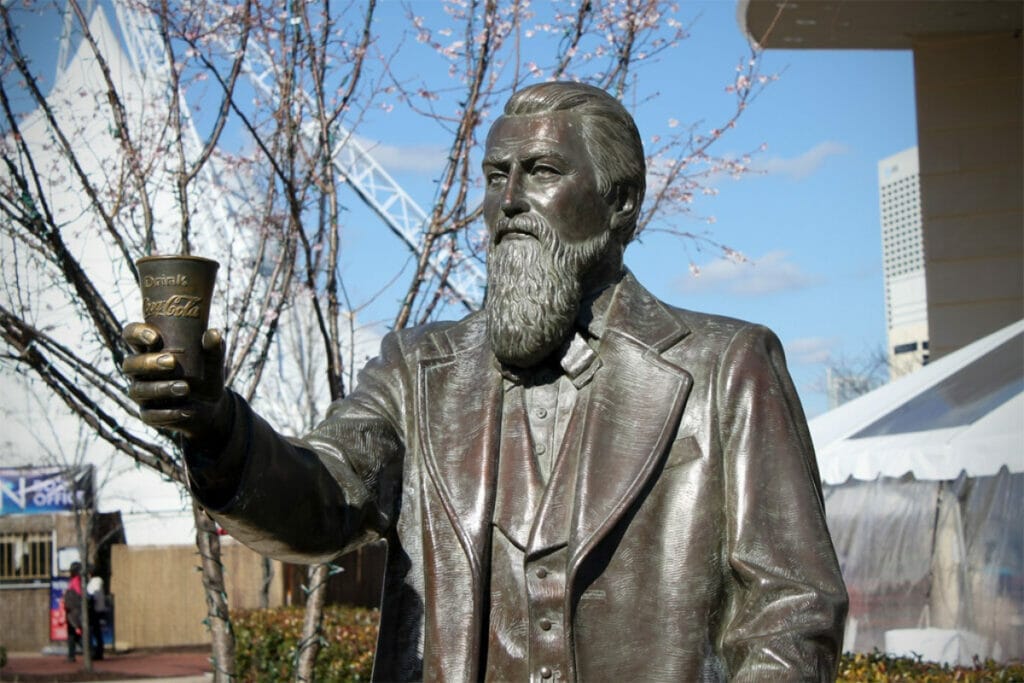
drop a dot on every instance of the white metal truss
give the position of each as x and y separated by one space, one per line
353 163
140 38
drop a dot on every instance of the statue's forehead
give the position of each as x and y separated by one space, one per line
559 117
543 127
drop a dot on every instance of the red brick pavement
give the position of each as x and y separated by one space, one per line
136 664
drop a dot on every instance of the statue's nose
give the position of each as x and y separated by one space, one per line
512 200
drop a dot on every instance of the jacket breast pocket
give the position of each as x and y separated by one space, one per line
685 449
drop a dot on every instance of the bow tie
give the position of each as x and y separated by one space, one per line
578 361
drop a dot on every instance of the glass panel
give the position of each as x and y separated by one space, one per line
968 394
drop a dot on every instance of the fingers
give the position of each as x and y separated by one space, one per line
158 391
141 337
213 340
149 364
168 418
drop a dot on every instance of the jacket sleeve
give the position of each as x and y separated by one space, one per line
312 499
786 598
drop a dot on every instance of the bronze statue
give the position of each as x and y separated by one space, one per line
580 482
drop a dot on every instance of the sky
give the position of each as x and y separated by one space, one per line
806 218
809 221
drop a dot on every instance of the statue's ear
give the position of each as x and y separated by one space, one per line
626 210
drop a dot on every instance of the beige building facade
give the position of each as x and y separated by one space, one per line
969 89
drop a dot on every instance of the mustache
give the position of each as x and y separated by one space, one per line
523 224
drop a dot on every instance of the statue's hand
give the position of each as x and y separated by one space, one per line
198 408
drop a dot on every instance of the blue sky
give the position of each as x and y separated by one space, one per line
808 220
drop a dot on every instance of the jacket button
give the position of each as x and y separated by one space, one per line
545 672
542 573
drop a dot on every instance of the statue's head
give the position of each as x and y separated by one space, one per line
605 130
565 179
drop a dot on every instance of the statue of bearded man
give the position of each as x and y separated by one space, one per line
579 482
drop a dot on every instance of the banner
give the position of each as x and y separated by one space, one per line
27 491
58 626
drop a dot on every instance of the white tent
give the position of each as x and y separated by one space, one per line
924 487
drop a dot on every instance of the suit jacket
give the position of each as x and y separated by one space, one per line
698 546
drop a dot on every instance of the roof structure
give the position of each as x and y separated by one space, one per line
962 413
869 24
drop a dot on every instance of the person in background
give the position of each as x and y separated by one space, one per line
97 614
73 609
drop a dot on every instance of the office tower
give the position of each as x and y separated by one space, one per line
906 301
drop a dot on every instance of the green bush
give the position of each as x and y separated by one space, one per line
878 667
266 643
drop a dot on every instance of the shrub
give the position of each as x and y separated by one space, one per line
266 643
878 667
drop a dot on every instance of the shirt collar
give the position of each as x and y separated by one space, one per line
594 306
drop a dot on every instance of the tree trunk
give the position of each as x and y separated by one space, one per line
86 631
268 580
217 617
312 623
84 518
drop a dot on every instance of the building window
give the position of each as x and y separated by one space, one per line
26 557
905 348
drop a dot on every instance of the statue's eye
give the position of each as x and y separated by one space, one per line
543 170
495 178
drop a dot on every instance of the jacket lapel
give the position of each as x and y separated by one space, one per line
460 400
635 405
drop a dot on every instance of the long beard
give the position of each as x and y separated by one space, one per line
534 288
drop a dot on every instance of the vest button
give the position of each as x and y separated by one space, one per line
541 413
542 573
545 672
545 624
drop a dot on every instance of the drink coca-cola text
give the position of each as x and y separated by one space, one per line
176 280
177 306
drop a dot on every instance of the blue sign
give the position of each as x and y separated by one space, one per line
27 491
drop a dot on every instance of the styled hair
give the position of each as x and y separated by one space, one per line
608 129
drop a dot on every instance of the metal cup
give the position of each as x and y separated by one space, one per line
176 294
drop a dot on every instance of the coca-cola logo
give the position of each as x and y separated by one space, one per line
177 306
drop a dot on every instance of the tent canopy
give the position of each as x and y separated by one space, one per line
962 413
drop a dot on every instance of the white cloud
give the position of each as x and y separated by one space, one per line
811 350
767 274
416 158
799 167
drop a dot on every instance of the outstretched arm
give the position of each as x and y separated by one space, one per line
304 500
